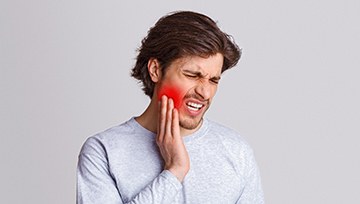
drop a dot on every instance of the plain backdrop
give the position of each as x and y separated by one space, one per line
294 95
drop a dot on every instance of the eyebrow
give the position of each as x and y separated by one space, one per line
200 74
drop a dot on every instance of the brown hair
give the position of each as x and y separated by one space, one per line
181 34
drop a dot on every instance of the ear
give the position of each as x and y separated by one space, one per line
154 69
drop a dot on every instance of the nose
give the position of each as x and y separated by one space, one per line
203 90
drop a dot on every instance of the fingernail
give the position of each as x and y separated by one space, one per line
170 101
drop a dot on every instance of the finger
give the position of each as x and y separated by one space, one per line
162 118
175 127
170 107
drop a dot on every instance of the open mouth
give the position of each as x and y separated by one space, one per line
194 106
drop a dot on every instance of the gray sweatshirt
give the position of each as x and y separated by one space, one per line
123 165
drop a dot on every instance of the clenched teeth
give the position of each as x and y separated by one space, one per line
194 106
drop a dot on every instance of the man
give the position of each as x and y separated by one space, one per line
170 153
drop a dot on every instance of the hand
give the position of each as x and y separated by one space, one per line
169 140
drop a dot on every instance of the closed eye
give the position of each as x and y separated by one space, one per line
199 75
191 76
215 81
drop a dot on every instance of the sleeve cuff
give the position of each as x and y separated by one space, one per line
172 179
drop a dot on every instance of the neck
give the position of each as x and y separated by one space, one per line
148 119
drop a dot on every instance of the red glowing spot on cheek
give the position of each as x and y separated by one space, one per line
171 92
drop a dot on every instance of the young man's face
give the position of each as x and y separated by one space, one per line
192 83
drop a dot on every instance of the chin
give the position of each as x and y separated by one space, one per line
190 120
190 123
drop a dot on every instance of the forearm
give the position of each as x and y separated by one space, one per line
163 189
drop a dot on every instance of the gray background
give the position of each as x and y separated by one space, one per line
294 95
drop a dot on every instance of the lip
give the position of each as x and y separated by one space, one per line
193 112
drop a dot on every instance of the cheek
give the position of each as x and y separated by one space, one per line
171 92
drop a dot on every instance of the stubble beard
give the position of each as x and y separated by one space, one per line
191 122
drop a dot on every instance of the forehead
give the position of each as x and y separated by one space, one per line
211 65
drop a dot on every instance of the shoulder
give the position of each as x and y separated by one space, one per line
235 146
98 143
228 136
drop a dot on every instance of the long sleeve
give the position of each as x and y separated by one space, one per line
96 185
252 192
123 165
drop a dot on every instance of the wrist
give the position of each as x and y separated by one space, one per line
178 173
